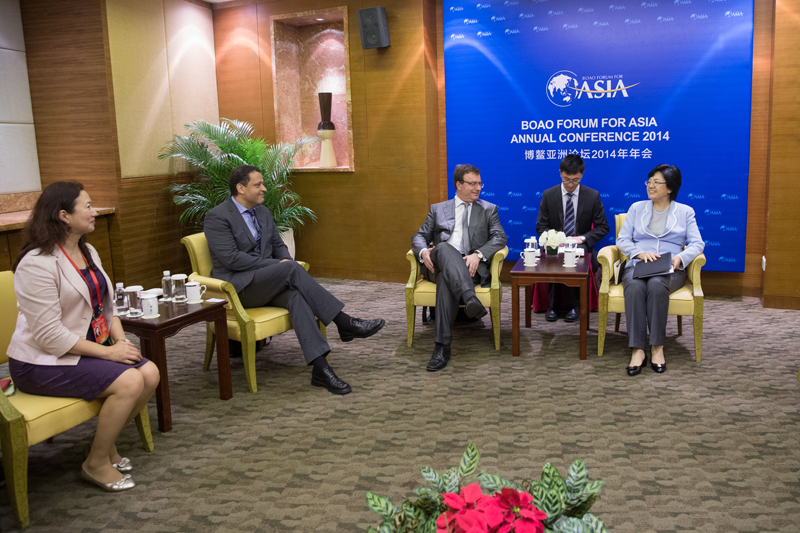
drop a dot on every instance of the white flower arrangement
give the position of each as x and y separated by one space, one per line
552 239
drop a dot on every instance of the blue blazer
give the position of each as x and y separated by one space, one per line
681 230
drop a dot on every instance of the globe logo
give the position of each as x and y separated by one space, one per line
561 88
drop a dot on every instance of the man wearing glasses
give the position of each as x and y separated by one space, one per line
577 211
456 244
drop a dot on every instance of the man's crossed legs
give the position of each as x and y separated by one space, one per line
454 285
288 285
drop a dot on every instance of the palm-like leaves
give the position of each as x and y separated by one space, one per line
214 150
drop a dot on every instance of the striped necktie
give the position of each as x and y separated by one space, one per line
465 229
569 217
252 213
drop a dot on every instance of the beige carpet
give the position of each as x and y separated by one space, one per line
708 447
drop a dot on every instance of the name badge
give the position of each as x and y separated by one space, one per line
100 328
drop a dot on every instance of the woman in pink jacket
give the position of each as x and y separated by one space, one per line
64 298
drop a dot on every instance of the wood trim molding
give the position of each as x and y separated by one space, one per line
780 302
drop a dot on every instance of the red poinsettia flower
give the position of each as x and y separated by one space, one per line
468 512
519 514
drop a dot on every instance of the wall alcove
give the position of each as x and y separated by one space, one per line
310 55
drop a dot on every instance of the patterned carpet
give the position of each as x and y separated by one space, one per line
704 447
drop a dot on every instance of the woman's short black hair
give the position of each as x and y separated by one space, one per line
672 175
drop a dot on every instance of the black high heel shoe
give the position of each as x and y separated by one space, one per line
658 369
636 370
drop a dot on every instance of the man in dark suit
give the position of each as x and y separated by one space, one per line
456 244
577 211
247 250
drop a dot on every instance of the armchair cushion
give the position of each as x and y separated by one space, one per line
46 416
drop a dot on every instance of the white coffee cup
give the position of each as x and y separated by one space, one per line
149 301
531 257
570 258
194 291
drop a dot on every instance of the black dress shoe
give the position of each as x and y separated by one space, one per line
573 315
658 369
360 329
551 315
439 359
328 379
473 308
636 370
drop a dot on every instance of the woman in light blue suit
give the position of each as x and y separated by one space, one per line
654 227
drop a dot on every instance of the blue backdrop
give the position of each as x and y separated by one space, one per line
626 85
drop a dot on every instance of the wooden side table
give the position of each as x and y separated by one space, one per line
153 332
549 270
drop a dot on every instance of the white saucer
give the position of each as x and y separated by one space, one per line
195 302
150 316
568 266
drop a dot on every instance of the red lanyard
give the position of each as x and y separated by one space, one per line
91 272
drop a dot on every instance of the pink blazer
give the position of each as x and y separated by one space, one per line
55 309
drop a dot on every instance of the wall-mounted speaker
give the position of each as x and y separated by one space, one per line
374 28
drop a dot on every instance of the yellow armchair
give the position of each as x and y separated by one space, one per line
686 301
244 325
420 292
26 419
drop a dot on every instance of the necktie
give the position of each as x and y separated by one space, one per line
569 217
465 229
252 213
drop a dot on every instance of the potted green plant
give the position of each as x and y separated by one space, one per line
213 150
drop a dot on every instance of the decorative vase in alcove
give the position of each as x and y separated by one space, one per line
325 131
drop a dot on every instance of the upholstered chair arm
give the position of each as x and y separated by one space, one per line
694 274
497 266
216 288
304 265
607 257
412 278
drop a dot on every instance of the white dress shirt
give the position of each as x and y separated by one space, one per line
462 208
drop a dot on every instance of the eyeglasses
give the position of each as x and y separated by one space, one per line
473 184
654 183
575 180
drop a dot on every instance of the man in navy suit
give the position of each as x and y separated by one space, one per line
247 251
456 244
578 211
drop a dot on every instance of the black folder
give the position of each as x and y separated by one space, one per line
659 267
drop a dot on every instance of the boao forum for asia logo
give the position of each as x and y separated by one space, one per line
564 88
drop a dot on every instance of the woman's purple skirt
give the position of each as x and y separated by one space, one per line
86 380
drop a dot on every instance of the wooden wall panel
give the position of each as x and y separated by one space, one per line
431 39
385 200
781 282
75 134
238 65
5 253
149 232
437 189
101 241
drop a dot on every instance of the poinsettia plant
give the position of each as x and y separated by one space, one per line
452 505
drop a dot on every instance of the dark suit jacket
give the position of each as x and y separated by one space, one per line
485 232
233 248
590 211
